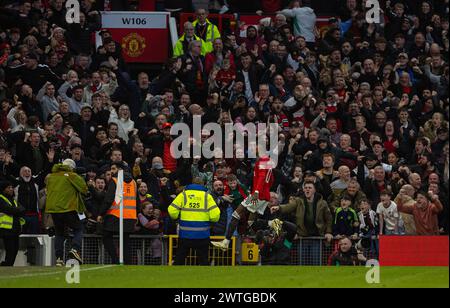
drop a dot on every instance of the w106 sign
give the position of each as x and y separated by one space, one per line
144 37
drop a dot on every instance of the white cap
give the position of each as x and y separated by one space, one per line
70 163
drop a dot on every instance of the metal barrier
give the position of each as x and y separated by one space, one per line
160 250
312 251
217 257
145 250
316 251
151 250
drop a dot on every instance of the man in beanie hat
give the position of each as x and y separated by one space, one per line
11 222
65 191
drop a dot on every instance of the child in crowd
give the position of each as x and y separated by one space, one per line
235 190
346 221
390 220
226 75
368 228
149 223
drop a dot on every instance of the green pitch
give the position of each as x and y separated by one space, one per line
225 277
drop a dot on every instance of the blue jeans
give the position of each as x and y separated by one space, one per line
309 252
401 231
390 232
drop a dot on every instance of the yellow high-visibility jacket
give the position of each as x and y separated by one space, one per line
178 50
212 33
196 210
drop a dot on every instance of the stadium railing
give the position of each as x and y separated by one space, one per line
217 257
160 250
316 251
151 250
145 249
313 251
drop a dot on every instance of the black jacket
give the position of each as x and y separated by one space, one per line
10 171
27 195
255 75
95 201
189 77
26 157
79 37
32 107
277 252
86 131
219 228
155 143
34 78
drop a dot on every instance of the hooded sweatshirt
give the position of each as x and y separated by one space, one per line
304 22
65 190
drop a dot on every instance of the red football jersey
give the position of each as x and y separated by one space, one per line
262 178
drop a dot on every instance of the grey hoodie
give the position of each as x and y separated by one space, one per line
304 22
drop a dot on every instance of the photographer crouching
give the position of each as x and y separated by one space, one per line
348 254
275 243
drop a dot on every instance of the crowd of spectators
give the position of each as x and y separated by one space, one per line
362 109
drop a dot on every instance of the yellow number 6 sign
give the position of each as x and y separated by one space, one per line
250 253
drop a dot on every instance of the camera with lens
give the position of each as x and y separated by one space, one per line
263 237
361 245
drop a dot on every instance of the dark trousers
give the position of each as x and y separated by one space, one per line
31 225
201 248
62 222
108 242
241 210
310 252
11 243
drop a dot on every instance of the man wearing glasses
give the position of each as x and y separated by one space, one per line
182 46
206 30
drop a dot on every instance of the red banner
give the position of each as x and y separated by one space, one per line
147 5
143 36
414 251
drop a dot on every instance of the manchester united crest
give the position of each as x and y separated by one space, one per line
134 45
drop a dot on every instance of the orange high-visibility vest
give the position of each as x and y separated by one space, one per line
129 202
